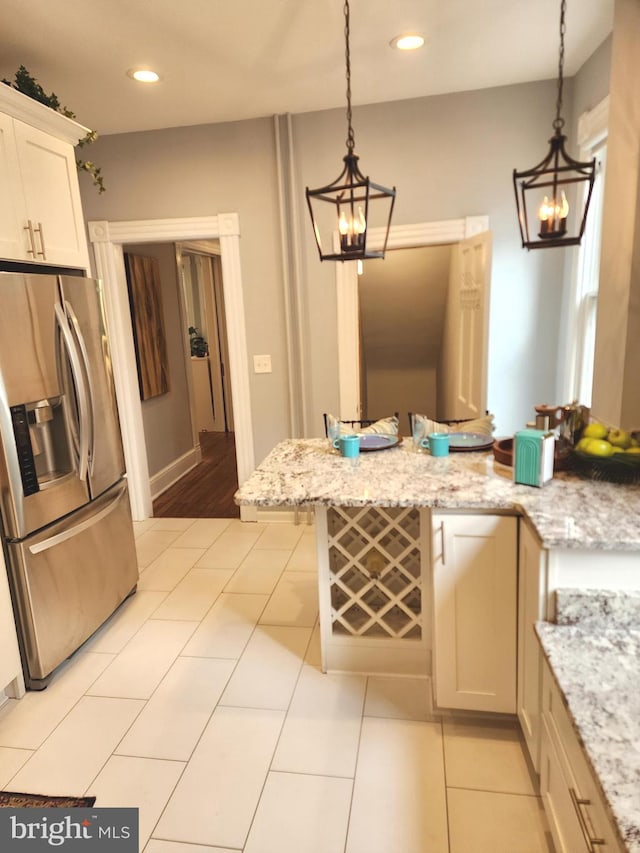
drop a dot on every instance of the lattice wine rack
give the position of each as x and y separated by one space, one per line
375 591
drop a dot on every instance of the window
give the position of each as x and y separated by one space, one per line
592 137
587 286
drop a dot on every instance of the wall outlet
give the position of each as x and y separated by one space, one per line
262 364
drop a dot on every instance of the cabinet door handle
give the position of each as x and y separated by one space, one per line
442 555
39 231
32 242
578 802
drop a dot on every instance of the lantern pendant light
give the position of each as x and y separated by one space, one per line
343 212
553 186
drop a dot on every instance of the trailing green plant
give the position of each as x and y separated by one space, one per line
28 85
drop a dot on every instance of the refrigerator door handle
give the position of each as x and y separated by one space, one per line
82 347
81 388
70 532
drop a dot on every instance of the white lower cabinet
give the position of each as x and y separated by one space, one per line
572 800
475 568
532 567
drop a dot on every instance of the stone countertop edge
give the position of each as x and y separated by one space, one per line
568 512
598 675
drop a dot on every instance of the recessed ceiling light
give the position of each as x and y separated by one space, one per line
408 41
143 75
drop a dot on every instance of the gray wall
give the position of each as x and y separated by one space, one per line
591 83
449 156
205 170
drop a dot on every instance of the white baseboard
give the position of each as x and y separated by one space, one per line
302 516
161 481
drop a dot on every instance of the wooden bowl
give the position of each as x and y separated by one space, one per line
503 451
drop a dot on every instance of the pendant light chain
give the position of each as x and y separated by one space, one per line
351 142
347 209
558 123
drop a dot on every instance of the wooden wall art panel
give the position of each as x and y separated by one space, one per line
145 298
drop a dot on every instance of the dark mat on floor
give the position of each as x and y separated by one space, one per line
15 800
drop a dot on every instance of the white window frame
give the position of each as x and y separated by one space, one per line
592 142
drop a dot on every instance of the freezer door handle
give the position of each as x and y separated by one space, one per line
82 347
81 387
64 535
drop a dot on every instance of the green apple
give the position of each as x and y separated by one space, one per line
583 444
619 438
595 430
599 447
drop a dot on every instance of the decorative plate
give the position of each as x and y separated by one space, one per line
466 441
377 441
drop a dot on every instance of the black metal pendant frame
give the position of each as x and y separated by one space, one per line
556 171
350 192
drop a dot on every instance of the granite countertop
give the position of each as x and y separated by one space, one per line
594 654
568 512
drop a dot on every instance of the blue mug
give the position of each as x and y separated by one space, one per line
348 445
437 443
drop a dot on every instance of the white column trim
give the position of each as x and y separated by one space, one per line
107 238
400 237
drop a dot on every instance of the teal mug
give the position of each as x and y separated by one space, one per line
348 445
437 443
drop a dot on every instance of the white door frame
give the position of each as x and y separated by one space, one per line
107 239
400 237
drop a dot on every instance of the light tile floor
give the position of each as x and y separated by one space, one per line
201 702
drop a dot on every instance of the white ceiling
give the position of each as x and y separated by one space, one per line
224 60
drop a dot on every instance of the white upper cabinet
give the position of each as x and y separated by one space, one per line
40 209
13 216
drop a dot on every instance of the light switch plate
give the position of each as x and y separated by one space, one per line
262 364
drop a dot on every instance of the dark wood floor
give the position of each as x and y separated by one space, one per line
206 491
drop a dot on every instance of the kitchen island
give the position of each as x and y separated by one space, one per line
441 568
569 512
406 540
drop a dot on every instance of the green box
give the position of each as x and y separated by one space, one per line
533 451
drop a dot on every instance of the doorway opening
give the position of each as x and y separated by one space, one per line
403 305
203 306
443 233
207 490
107 239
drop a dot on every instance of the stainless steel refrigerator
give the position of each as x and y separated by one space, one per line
67 530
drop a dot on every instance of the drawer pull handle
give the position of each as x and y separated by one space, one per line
578 802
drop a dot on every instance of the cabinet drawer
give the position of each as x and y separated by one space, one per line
582 789
556 796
